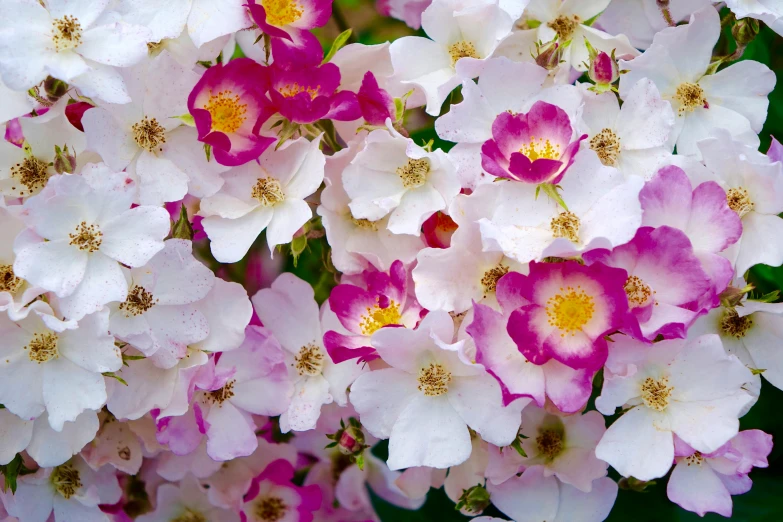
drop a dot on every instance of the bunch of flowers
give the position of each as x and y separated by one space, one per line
555 286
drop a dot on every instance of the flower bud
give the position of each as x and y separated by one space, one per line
349 440
603 70
548 55
54 88
474 500
64 162
745 31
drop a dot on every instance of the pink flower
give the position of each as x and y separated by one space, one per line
272 496
290 18
665 281
566 311
362 312
226 105
375 103
535 147
705 482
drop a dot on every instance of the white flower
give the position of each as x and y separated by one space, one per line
267 195
734 98
79 229
47 364
427 399
394 176
691 389
15 292
71 42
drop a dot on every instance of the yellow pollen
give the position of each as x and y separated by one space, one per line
365 224
66 480
541 148
462 49
377 317
226 111
690 96
637 291
564 26
292 89
137 302
606 145
434 380
190 516
656 393
42 347
66 33
550 443
32 173
566 225
223 394
733 325
570 310
268 191
86 237
310 360
491 277
694 460
414 172
154 47
739 201
270 509
8 281
148 134
282 12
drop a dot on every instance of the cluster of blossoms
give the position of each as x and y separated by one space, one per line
584 240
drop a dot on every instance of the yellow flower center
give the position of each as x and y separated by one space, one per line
223 394
270 509
190 516
66 33
226 111
570 310
637 291
540 148
310 360
566 225
564 26
739 201
42 347
137 302
491 277
66 480
550 443
434 380
656 393
733 325
86 237
462 49
32 173
365 224
8 281
282 12
148 134
690 96
694 460
292 89
414 172
268 191
377 317
606 145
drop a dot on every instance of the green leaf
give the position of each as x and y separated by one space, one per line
208 151
114 376
187 119
182 229
551 191
11 471
298 245
340 41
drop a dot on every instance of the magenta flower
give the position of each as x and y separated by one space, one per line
535 147
272 496
375 103
569 309
290 18
226 105
363 311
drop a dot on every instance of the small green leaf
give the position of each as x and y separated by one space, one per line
11 471
182 229
114 376
340 41
551 191
360 461
208 151
517 445
771 297
187 119
757 371
298 245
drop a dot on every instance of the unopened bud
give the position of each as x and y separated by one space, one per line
603 71
64 162
634 484
474 500
349 440
548 55
732 296
54 88
745 31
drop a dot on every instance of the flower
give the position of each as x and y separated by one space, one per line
186 501
290 18
272 496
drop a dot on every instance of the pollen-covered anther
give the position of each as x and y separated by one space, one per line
550 443
434 380
154 47
66 480
414 172
539 148
491 277
310 360
733 325
190 516
292 89
376 317
86 237
690 96
606 145
565 224
694 460
637 291
8 280
32 173
282 12
570 310
42 347
564 26
364 224
270 509
739 201
139 301
221 395
462 49
268 191
66 33
227 111
148 134
656 393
